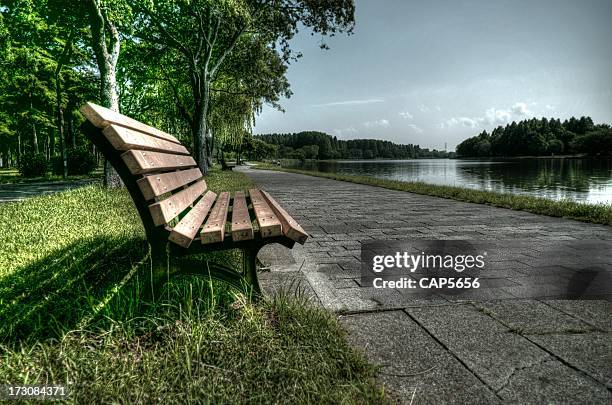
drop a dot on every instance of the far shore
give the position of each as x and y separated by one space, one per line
574 156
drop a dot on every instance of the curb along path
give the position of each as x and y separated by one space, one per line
440 350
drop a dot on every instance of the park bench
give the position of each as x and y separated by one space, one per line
181 218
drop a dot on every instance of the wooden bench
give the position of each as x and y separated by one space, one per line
181 217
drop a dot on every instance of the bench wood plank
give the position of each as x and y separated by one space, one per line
291 228
142 161
154 185
184 232
214 229
125 139
241 221
166 210
269 225
102 117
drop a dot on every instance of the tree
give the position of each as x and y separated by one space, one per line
203 34
555 146
535 137
311 151
106 44
595 143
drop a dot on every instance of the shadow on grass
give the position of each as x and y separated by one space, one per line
49 297
83 282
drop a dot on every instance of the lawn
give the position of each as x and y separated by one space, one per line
72 268
596 213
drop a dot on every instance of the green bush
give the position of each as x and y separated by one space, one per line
32 165
80 161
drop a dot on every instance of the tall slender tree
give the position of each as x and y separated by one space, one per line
106 45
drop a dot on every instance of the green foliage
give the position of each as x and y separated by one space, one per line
80 162
257 149
540 137
33 165
597 142
555 146
319 145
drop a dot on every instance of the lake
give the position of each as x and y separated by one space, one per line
585 180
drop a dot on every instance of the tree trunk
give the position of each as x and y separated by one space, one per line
35 138
210 144
48 147
64 57
107 54
200 128
60 125
111 100
18 148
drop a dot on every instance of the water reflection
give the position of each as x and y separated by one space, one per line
587 180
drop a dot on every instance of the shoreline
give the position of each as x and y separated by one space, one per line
465 158
585 212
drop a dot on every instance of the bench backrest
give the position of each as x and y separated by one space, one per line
161 176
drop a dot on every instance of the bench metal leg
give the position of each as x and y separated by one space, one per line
249 271
163 268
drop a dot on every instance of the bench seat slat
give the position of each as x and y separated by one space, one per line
214 229
184 232
154 185
291 228
241 221
125 139
142 161
102 117
166 210
269 224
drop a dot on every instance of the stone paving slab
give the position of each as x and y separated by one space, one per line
597 313
590 353
413 361
532 316
519 351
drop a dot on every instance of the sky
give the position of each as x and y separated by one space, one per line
435 72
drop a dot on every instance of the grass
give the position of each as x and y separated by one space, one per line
595 213
72 268
12 176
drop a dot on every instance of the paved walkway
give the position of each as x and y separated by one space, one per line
21 191
444 350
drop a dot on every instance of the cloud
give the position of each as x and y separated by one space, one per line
350 102
465 121
352 130
492 116
405 114
520 109
377 123
415 128
423 108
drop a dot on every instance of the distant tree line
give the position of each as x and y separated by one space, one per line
319 145
537 137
